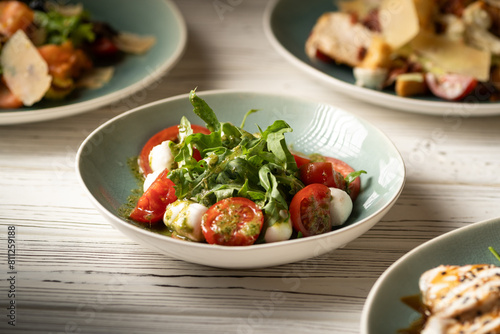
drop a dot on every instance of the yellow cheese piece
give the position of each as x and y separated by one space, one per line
25 72
360 7
453 56
399 21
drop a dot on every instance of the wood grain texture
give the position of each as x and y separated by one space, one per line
76 274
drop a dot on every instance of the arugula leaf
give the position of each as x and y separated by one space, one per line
494 252
203 111
352 176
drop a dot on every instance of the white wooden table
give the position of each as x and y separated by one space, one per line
76 274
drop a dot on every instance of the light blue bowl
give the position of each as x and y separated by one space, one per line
385 313
318 128
159 18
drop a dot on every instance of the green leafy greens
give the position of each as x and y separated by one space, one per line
61 28
235 163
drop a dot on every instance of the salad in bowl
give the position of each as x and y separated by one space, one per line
223 185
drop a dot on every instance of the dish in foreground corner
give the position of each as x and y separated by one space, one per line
288 24
317 128
130 74
384 310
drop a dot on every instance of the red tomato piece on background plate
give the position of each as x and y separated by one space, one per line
171 133
234 221
153 203
453 87
7 99
104 47
310 210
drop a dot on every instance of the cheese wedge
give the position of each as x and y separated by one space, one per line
453 56
25 72
399 21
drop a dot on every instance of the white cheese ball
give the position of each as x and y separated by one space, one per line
161 157
184 218
150 179
279 231
340 206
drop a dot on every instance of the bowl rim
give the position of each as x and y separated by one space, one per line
208 247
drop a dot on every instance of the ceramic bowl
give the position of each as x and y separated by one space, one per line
101 164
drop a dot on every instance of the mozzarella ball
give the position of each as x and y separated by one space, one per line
279 231
340 206
184 218
150 179
161 157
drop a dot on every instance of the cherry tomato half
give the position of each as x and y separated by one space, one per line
234 221
344 169
171 133
453 87
339 166
322 172
153 203
310 210
300 160
104 47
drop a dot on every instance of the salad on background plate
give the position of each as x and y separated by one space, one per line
48 51
84 54
447 48
290 27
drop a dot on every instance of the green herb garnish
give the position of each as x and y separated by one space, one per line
494 252
235 163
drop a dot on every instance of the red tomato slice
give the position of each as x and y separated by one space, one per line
171 133
453 87
344 169
300 160
104 47
153 203
7 99
235 221
310 210
322 172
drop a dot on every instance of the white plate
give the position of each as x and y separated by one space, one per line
161 19
384 312
317 128
287 24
